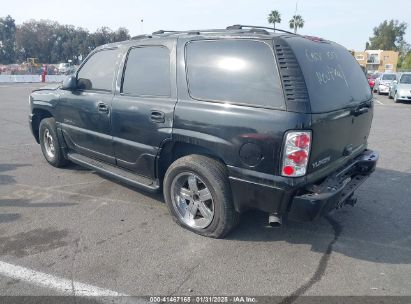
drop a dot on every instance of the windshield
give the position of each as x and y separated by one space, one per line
388 77
406 79
375 76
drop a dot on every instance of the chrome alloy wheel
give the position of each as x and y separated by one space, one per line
48 144
192 200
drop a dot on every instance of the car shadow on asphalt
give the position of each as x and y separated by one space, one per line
6 179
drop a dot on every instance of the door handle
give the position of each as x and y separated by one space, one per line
102 107
157 116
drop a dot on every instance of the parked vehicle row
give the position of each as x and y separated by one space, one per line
383 82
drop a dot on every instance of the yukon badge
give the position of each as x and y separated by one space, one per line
321 162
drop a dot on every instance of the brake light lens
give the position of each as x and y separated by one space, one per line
296 153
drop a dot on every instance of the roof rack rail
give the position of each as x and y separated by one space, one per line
241 26
141 37
159 32
192 32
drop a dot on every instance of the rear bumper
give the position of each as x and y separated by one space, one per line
295 197
335 191
383 88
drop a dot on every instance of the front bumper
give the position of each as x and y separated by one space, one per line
335 191
32 119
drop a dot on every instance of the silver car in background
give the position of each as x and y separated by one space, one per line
382 83
401 89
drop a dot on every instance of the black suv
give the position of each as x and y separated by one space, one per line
220 120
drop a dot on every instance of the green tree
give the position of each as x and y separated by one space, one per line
121 34
7 40
273 18
389 35
36 39
406 62
296 22
52 42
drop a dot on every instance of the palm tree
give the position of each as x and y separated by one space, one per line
296 22
274 17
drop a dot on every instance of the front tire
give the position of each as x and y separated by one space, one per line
49 143
396 97
198 195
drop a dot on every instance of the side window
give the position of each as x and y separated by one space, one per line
98 71
238 71
147 72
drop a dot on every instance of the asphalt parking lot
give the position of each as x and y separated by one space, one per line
67 227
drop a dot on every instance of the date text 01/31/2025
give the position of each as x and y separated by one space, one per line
202 299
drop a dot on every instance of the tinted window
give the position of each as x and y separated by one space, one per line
406 78
98 71
388 77
239 71
147 72
333 77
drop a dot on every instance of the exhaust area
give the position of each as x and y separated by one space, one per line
274 220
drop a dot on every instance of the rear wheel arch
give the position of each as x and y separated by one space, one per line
174 150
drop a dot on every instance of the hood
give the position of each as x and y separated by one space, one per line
404 86
50 87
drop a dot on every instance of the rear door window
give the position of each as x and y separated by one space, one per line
147 72
333 77
236 71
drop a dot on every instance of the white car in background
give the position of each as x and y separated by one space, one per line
382 83
63 67
401 89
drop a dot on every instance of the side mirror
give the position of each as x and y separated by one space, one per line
395 82
70 83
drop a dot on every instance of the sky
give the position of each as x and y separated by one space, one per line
348 22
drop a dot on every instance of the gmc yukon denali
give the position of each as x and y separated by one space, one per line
220 120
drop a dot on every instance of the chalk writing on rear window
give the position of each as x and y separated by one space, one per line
331 73
327 68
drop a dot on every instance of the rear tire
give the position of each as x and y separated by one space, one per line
49 143
198 196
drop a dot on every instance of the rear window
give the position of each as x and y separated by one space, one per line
236 71
333 77
389 77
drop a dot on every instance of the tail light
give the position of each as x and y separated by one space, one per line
296 153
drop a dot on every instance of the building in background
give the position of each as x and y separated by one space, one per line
377 60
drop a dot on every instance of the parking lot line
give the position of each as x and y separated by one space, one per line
63 286
378 101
